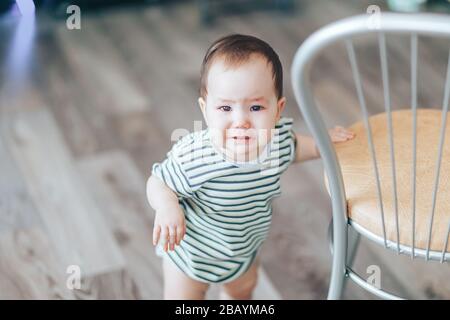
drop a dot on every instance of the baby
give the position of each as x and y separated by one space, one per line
212 194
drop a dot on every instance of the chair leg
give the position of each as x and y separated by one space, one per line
338 241
353 244
347 248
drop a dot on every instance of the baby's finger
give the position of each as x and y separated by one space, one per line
156 232
172 235
184 230
180 233
345 134
164 236
342 130
340 138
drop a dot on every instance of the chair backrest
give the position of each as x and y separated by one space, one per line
415 26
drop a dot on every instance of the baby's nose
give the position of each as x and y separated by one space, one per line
240 120
242 124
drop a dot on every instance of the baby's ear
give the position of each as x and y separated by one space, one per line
202 105
280 106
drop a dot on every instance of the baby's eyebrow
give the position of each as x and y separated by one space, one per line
251 99
226 100
257 99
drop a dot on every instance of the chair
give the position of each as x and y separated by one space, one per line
391 184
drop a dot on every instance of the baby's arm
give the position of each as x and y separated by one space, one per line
169 220
306 146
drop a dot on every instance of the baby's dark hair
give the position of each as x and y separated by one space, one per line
236 49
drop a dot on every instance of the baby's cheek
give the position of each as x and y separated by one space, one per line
218 137
264 137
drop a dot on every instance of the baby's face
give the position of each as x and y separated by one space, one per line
241 107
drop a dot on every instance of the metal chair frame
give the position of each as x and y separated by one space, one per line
415 25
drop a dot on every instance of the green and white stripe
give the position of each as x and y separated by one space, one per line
227 205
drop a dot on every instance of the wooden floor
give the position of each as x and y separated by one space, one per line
78 139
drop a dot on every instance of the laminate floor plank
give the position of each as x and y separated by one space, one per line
71 218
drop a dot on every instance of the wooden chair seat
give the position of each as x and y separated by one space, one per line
360 182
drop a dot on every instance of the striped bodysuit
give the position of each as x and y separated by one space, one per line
227 205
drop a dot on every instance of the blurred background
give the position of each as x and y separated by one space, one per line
89 102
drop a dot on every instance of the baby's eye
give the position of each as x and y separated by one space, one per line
256 108
225 108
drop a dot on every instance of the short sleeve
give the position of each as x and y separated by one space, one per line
293 145
172 173
285 143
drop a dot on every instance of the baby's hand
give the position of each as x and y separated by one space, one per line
340 134
170 226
